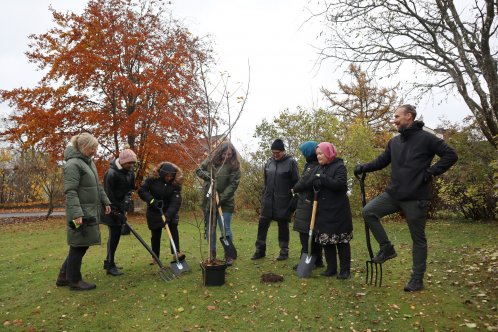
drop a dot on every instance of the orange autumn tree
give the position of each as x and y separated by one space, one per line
121 71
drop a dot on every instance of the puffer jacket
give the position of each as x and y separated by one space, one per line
227 182
280 177
118 185
304 188
154 187
84 198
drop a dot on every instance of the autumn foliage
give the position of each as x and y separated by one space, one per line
120 71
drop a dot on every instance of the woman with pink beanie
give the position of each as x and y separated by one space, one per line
119 183
333 218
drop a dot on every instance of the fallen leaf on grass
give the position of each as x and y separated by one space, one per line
211 307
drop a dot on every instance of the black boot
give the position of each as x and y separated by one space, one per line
414 285
108 265
81 285
258 254
61 279
114 271
284 251
344 250
384 255
331 258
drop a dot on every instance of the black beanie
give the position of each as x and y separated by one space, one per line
278 145
165 169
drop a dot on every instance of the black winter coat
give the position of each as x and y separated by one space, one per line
118 185
169 193
280 176
304 187
410 155
333 215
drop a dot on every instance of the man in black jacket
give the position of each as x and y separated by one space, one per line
281 175
119 183
410 154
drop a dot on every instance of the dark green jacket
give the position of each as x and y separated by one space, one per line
84 198
227 182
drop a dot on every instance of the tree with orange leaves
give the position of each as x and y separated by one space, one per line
121 71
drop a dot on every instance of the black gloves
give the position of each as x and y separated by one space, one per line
428 176
157 203
127 202
317 181
359 169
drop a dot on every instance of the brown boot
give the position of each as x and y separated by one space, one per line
181 256
81 285
61 280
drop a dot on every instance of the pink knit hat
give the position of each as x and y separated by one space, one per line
127 156
328 150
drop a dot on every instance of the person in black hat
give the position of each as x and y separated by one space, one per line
280 175
162 193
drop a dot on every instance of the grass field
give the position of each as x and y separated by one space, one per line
460 294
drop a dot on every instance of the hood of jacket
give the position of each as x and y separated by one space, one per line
71 152
416 126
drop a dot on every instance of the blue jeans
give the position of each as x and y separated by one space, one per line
227 218
415 212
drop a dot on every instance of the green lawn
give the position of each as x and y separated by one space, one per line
460 294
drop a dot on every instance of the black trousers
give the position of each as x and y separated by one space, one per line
156 235
112 242
72 263
283 234
344 251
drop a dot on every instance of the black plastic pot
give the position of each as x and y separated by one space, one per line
213 274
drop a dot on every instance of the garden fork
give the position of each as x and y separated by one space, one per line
372 266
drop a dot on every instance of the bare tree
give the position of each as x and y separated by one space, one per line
454 42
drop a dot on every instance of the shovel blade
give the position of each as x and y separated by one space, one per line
305 266
230 250
179 267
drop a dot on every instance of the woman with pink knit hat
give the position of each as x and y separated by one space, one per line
333 217
119 184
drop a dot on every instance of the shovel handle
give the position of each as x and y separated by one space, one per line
170 236
220 212
313 212
312 223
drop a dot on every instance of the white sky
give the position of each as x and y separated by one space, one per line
270 35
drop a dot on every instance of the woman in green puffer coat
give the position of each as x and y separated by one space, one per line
225 168
84 200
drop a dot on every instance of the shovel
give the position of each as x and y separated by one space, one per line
165 273
307 262
230 250
177 266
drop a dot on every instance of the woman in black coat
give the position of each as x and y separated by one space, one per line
304 190
119 183
333 218
162 193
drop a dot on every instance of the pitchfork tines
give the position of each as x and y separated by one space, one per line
374 269
371 278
